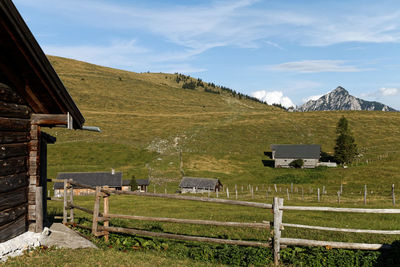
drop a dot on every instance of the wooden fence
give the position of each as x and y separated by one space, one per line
278 224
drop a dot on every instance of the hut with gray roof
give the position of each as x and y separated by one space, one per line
113 180
199 185
285 154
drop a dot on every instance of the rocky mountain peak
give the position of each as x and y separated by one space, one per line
340 90
340 99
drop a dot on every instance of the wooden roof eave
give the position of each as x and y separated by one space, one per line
45 79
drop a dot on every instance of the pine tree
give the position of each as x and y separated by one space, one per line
346 148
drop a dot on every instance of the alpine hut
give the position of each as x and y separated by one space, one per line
285 154
31 97
199 185
112 180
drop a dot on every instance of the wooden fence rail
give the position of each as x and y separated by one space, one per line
278 225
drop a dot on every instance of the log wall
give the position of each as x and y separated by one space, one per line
14 164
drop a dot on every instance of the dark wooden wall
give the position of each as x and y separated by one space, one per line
15 130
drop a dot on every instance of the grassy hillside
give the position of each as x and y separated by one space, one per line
147 119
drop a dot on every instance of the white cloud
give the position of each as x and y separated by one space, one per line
313 97
313 66
381 93
388 91
273 97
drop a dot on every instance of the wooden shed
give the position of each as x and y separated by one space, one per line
31 97
113 180
199 185
285 154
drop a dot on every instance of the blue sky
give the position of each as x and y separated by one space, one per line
280 50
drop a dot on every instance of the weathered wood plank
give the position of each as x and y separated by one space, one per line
278 213
343 245
201 222
9 110
13 198
12 166
13 150
9 95
14 125
49 119
39 209
13 229
33 146
346 230
32 213
201 199
184 237
12 214
352 210
13 137
12 182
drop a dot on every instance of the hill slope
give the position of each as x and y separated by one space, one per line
340 99
149 121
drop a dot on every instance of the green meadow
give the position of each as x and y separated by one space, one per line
151 126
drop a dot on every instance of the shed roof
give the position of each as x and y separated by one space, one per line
91 178
142 181
25 68
296 151
190 182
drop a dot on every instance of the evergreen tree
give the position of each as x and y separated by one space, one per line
346 148
133 183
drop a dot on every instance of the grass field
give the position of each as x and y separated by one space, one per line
148 121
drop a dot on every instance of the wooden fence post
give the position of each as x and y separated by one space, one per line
318 195
278 212
393 196
96 210
65 214
365 194
71 202
105 212
39 209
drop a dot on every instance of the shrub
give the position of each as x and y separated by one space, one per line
297 163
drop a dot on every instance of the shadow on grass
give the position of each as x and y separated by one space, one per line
390 257
268 163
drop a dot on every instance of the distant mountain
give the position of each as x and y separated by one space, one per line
340 99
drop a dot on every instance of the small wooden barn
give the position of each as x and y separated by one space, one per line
31 97
285 154
142 184
199 185
113 180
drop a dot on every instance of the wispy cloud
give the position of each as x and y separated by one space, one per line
314 66
389 91
119 53
382 93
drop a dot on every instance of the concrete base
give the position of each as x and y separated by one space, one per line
63 237
58 236
16 246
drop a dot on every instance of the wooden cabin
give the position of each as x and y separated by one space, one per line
112 180
31 97
142 184
199 185
285 154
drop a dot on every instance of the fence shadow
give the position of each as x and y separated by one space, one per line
390 257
